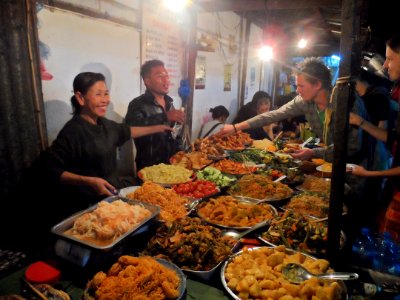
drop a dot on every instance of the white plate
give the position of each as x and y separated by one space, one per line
348 168
128 190
321 169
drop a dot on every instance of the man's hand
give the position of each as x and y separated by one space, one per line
176 115
162 128
305 153
355 119
227 129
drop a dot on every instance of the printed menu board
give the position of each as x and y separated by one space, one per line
162 38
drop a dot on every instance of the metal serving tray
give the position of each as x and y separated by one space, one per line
226 227
288 251
63 226
316 218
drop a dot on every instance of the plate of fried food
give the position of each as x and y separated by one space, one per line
260 188
311 204
195 160
172 205
212 150
256 273
233 167
327 167
318 161
291 147
315 184
144 277
264 144
233 142
231 213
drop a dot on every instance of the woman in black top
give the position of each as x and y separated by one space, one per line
79 168
260 103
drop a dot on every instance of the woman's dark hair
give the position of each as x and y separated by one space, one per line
315 70
394 43
373 79
260 98
148 65
82 83
219 111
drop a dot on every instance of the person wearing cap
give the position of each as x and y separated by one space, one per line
219 115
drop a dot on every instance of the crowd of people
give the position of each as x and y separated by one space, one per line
80 166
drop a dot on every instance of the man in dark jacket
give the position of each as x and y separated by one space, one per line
152 108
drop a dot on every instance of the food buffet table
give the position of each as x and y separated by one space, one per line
246 204
194 289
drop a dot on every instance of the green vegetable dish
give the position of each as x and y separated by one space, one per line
298 232
216 176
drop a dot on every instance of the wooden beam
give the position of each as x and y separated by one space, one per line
244 63
252 5
350 53
92 13
191 69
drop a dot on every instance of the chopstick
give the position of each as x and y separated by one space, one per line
277 136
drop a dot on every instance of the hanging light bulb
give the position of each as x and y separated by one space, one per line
175 5
302 43
265 53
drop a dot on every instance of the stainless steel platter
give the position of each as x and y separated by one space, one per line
182 277
235 296
221 225
258 201
61 228
310 215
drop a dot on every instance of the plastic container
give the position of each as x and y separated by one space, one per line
41 272
383 259
363 249
373 291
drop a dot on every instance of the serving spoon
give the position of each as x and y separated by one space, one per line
280 178
302 145
238 235
296 273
